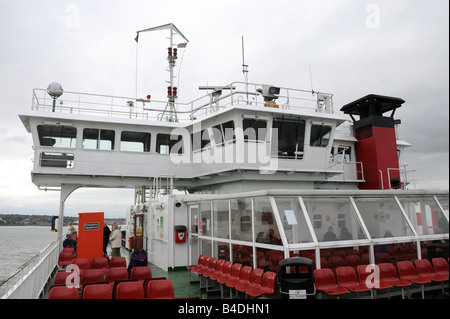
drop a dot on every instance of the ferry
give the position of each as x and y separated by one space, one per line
275 187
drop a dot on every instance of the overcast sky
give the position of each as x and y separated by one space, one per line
355 47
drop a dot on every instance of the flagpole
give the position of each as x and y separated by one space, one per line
136 80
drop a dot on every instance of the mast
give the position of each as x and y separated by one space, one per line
172 56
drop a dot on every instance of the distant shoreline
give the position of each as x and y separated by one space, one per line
43 220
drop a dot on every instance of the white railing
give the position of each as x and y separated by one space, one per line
29 281
150 109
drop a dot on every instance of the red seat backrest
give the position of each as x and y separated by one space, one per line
91 275
97 291
118 262
63 292
424 267
346 276
141 273
99 263
387 272
130 290
82 263
160 289
440 265
117 273
324 278
269 280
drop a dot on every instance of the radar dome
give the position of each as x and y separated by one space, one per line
55 90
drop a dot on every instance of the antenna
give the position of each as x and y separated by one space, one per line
172 56
310 78
244 69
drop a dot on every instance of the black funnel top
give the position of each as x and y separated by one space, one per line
372 104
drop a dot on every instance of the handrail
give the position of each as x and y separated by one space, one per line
132 107
29 280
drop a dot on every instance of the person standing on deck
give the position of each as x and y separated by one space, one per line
116 241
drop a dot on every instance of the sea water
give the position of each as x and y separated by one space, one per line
18 244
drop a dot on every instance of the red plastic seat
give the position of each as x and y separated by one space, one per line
365 270
65 258
82 263
244 278
325 281
160 289
60 278
407 271
440 266
388 274
226 269
100 263
235 275
91 276
211 267
117 262
117 273
218 268
267 286
129 290
425 269
347 278
141 273
97 291
199 262
254 282
234 272
203 266
63 292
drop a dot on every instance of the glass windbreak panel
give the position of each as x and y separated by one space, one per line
222 250
266 229
383 217
242 254
135 141
204 223
241 219
96 139
221 219
293 220
291 137
444 201
425 215
206 247
194 219
57 136
333 218
391 253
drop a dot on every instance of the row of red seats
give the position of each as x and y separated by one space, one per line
404 274
67 257
93 275
253 282
128 289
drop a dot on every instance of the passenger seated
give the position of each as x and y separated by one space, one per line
330 235
69 242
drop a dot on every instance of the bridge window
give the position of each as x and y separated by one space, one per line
224 132
320 135
291 137
135 141
57 136
96 139
254 130
200 140
166 142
